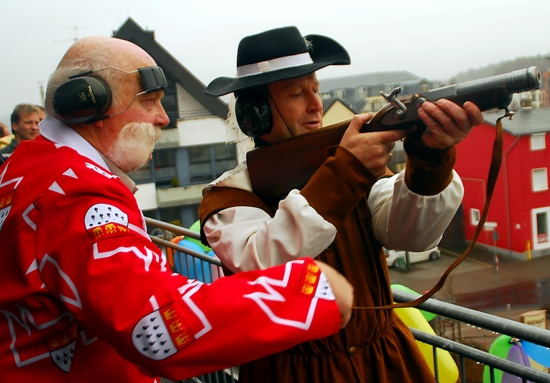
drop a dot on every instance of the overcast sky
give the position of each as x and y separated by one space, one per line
435 39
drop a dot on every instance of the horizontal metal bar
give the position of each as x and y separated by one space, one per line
481 356
480 319
173 228
191 252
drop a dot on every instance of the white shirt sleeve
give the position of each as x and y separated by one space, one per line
247 238
405 220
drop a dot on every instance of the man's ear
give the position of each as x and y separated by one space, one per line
13 127
98 124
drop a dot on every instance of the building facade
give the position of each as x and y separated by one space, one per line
192 150
518 219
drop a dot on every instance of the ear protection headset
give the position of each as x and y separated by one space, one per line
82 99
86 99
253 113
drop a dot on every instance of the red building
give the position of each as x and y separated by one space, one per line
518 221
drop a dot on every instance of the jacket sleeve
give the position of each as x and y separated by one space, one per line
94 255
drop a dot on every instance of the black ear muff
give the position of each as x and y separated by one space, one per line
82 99
253 113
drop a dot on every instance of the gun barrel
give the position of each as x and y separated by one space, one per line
514 82
490 92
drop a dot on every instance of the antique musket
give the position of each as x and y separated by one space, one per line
277 168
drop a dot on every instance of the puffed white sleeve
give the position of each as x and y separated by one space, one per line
405 220
248 238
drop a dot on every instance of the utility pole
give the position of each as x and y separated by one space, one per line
42 96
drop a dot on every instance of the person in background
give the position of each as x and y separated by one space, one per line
41 112
24 125
349 209
4 131
85 295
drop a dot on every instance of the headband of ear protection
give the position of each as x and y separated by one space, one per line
86 99
253 113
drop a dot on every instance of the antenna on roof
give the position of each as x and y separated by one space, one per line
75 39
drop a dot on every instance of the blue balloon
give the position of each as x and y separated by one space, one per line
539 354
190 266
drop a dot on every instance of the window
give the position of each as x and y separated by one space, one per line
187 166
542 227
206 163
474 216
340 93
538 141
362 92
540 179
164 162
424 87
388 88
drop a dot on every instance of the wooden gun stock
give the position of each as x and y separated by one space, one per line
289 164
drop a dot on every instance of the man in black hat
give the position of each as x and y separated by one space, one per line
349 209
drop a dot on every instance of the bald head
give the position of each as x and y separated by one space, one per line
115 52
95 52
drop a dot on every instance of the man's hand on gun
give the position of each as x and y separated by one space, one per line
448 123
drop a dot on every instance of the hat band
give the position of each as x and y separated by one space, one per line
274 64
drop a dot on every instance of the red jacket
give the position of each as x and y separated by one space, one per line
85 296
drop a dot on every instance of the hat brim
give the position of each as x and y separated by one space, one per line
324 52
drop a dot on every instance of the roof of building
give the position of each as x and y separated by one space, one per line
524 121
329 101
366 79
131 31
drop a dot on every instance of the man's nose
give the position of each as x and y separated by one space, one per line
316 102
161 118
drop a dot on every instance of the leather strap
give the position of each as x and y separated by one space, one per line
494 170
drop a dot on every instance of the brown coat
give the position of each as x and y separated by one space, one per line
375 346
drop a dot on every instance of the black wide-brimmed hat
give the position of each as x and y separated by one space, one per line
279 54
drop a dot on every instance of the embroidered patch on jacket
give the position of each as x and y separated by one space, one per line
105 221
5 206
161 334
61 347
314 283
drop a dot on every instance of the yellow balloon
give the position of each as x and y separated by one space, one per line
446 366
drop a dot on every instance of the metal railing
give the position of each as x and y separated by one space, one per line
198 265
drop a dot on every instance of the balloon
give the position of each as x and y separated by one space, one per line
428 315
500 347
170 251
447 369
507 348
196 227
190 266
216 271
516 354
539 354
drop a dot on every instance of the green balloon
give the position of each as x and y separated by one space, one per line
196 227
427 315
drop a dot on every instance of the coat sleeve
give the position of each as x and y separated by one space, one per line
95 256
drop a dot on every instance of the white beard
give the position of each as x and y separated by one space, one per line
134 146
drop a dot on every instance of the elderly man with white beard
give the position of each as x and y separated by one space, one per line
85 296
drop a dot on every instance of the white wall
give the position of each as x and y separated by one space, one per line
202 131
147 196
